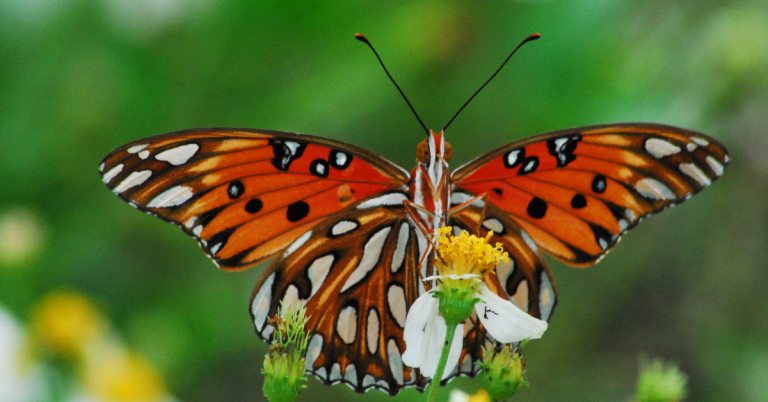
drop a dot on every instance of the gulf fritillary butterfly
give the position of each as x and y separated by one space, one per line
349 228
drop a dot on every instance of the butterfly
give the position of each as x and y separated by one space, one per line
350 232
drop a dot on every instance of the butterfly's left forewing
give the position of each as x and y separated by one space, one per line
245 194
356 273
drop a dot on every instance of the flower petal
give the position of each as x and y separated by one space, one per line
432 347
504 320
422 309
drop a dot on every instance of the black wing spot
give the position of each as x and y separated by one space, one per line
235 189
498 191
578 201
562 149
529 165
339 160
599 184
253 206
297 211
537 208
514 158
286 152
602 236
319 168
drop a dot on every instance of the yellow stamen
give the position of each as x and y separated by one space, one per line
466 254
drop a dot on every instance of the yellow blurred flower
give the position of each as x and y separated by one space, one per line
459 396
66 323
115 375
22 233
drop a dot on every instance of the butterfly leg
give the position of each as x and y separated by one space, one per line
413 210
483 198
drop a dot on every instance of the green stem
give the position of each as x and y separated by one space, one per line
433 387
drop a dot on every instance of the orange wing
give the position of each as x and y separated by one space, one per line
245 194
576 191
356 273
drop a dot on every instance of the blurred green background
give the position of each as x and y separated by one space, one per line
79 78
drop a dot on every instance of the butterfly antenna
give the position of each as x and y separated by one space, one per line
528 39
362 38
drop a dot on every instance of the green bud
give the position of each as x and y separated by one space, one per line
457 298
659 382
284 364
502 373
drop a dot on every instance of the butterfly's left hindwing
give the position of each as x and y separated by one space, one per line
245 194
356 273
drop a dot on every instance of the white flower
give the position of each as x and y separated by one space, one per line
461 264
425 329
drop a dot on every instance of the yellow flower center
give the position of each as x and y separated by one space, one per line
466 253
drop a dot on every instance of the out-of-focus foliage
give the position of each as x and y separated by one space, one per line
81 77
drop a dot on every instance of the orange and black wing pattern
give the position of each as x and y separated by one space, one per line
576 191
356 273
245 194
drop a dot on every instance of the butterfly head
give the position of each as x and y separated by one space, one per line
434 147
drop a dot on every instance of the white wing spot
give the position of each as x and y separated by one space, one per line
693 171
171 197
368 380
198 229
652 188
291 296
623 224
630 214
715 165
395 199
215 248
459 198
318 271
350 374
144 154
512 157
335 372
396 303
395 361
603 244
372 331
297 243
136 148
371 253
313 350
529 241
191 222
546 296
504 270
346 326
700 141
521 296
660 148
344 227
493 224
260 304
133 180
402 241
691 147
112 173
101 167
320 373
341 158
179 155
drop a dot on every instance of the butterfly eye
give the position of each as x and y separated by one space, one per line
422 152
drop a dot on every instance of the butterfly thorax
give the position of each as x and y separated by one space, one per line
429 188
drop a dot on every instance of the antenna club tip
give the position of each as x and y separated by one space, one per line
361 38
534 36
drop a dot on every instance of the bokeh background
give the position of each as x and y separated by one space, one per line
79 78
